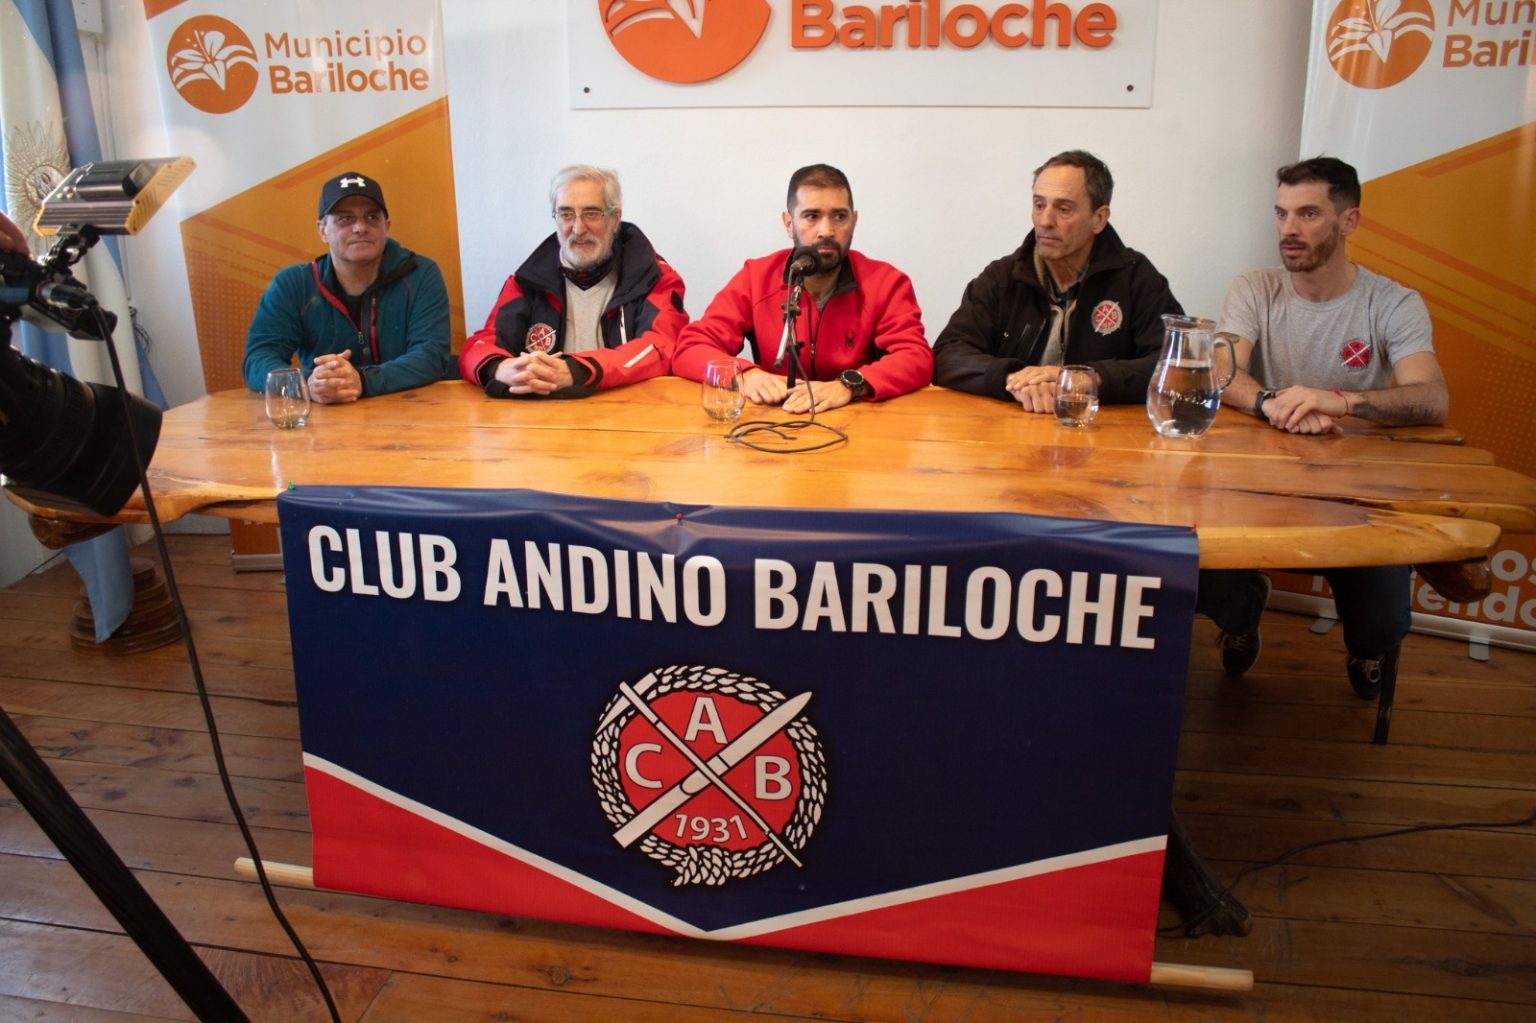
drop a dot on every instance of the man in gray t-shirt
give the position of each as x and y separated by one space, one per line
1315 341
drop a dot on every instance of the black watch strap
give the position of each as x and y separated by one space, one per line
1258 403
854 381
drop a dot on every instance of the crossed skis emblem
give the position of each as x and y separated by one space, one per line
705 772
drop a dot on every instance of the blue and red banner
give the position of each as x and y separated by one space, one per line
931 736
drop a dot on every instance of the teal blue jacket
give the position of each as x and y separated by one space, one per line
404 341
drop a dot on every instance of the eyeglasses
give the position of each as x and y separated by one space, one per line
590 215
373 218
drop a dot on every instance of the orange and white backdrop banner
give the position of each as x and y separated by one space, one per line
1434 101
765 53
272 99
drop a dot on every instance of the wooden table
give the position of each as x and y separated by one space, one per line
1258 497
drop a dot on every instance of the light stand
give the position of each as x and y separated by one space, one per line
62 443
41 794
22 770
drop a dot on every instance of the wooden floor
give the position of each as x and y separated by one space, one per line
1435 926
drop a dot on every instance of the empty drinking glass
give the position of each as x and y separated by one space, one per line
720 391
287 398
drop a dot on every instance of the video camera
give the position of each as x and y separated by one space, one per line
63 443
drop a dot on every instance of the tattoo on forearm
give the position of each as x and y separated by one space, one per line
1410 414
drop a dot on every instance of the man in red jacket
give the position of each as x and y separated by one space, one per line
859 329
593 307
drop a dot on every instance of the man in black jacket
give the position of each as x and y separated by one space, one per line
1071 294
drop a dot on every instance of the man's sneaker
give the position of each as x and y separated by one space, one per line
1366 674
1239 650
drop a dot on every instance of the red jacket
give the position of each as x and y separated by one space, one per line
870 322
639 326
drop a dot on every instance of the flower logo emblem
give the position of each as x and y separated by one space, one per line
684 41
212 64
1374 44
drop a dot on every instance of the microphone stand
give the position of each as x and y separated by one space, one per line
789 345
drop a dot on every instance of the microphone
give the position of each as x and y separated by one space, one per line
804 261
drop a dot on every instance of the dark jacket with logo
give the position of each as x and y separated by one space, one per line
639 327
404 341
1004 318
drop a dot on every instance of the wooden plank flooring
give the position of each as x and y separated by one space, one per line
1439 925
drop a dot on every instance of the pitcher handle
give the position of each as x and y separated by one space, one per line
1231 360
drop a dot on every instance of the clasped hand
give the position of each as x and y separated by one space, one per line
764 388
1034 387
335 380
534 373
1306 410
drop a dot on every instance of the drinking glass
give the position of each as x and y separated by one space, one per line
1077 396
720 392
287 398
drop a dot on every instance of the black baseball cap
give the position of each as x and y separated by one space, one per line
349 184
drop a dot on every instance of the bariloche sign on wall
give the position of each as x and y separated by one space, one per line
705 53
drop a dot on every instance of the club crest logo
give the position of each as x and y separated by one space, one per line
212 64
684 41
1373 44
541 338
713 775
1107 317
1355 354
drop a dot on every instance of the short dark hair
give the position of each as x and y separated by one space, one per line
1342 181
1101 185
817 175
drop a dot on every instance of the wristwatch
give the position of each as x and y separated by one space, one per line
854 381
1258 403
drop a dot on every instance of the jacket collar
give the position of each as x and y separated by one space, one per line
1109 253
396 263
636 264
847 280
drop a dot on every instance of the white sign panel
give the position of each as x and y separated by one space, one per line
1395 82
730 53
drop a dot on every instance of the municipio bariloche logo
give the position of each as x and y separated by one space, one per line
1374 44
712 774
684 41
212 64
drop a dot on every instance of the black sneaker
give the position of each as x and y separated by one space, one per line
1239 650
1366 674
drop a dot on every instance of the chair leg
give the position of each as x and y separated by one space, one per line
1384 707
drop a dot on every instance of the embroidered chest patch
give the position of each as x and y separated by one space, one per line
1107 317
1355 353
541 338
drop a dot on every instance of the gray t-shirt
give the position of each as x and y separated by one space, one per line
1350 342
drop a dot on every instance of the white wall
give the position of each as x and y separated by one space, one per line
941 191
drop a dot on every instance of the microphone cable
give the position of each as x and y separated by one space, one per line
198 682
752 433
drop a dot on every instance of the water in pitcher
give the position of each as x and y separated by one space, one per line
1183 398
1184 393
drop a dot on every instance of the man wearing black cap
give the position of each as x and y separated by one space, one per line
368 317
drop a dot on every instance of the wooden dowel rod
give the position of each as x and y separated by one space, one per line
1211 978
290 874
